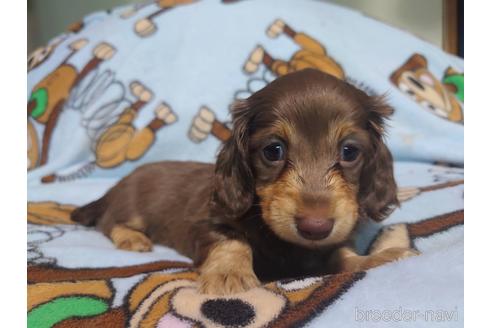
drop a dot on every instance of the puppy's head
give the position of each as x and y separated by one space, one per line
310 147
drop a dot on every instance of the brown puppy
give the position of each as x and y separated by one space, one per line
305 161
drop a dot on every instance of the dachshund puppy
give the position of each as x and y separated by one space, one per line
306 160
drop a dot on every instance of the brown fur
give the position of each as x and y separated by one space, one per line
237 219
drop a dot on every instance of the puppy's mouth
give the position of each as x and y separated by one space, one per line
314 228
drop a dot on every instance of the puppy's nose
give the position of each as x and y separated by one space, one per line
314 228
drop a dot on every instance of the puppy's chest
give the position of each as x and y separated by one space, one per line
274 258
289 262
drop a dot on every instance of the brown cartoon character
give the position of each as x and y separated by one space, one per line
145 26
311 55
49 96
415 79
205 123
122 141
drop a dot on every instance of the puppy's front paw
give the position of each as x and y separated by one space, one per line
228 269
389 255
227 282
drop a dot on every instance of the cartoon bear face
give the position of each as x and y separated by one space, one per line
415 79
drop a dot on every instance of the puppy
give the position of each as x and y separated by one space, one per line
306 160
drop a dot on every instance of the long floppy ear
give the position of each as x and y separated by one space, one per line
233 182
377 192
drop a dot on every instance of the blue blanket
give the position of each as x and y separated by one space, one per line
154 81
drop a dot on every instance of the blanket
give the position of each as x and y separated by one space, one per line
154 81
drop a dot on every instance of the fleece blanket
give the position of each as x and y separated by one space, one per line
154 81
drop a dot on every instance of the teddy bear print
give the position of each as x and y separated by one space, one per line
118 140
115 139
145 27
48 97
311 55
122 141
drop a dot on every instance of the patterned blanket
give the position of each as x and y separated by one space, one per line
154 81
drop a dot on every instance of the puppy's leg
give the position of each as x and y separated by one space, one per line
228 269
346 259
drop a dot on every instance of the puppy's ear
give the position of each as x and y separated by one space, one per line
379 113
377 192
233 182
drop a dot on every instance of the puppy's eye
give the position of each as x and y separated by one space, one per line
274 152
349 153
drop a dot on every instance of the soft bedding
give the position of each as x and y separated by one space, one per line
154 81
